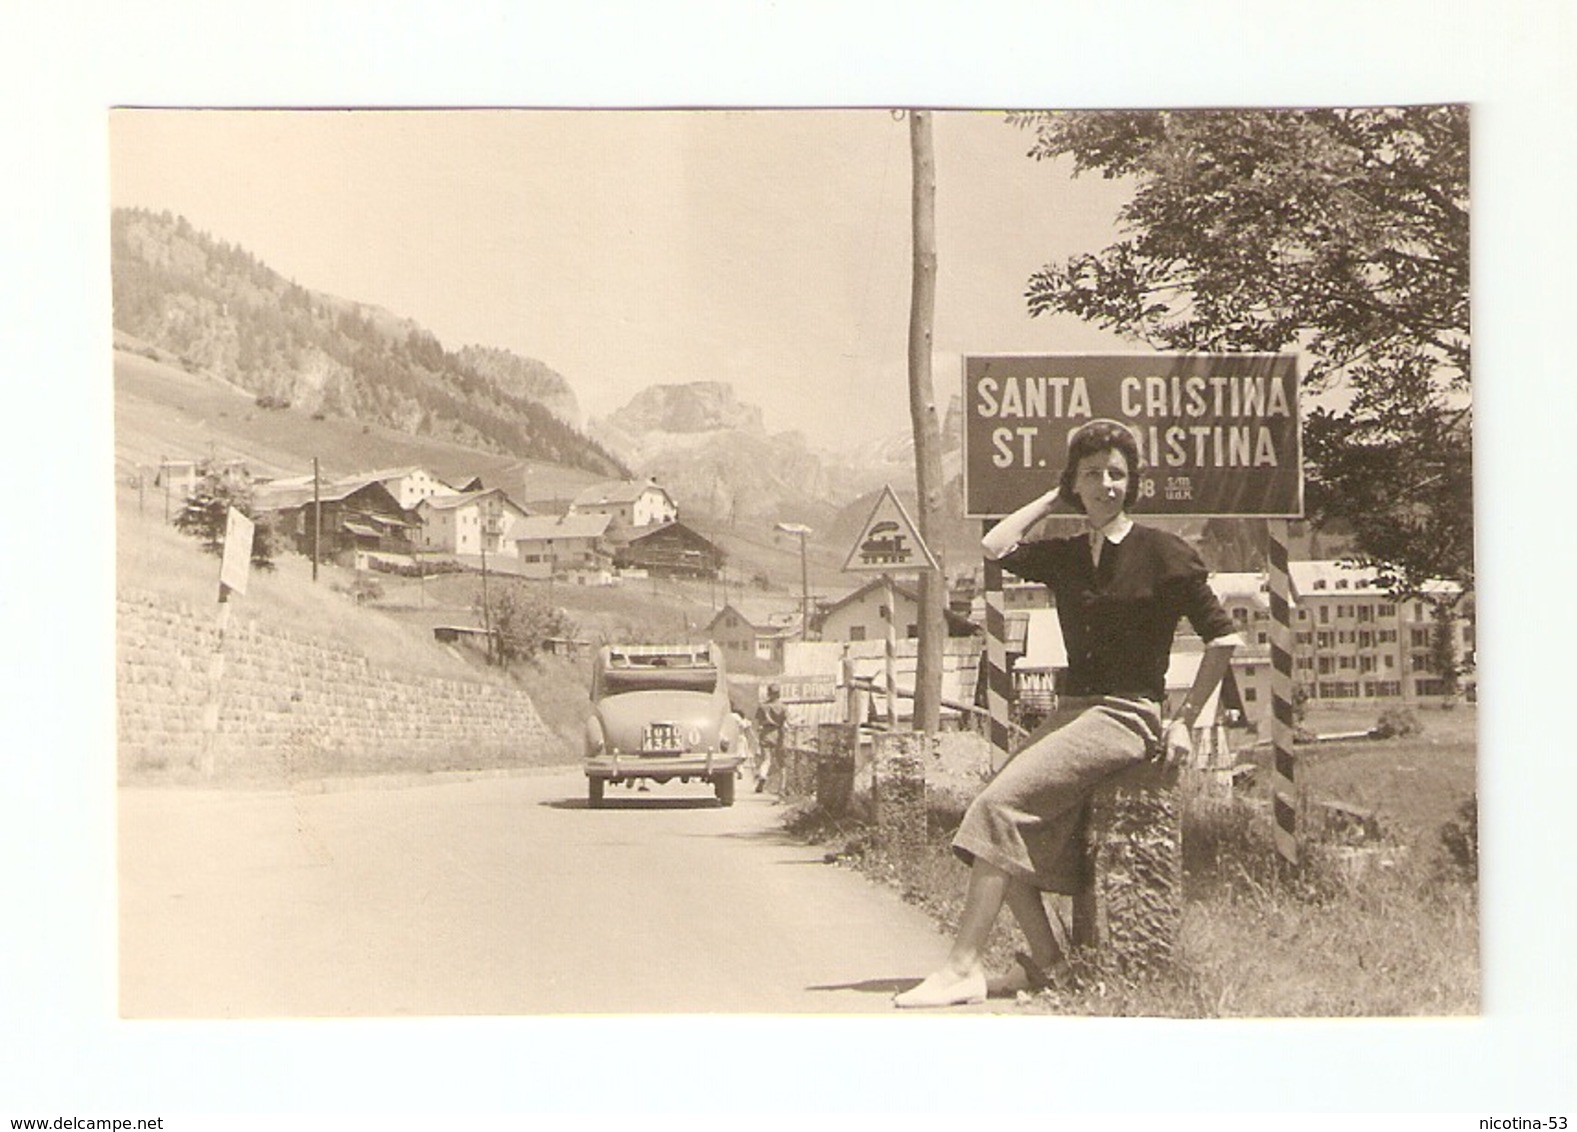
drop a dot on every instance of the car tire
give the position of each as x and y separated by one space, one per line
724 785
594 793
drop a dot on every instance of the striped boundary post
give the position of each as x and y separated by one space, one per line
999 689
1284 772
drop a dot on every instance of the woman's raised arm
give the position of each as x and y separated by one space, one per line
1010 531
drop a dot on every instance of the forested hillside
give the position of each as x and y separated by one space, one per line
221 311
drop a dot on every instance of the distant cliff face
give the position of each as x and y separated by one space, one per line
700 406
525 377
712 451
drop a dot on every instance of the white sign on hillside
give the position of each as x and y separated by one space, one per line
236 564
889 542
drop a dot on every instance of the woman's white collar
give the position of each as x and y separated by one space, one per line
1114 531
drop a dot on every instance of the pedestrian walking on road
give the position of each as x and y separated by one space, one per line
771 717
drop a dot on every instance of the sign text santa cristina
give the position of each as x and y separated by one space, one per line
1218 433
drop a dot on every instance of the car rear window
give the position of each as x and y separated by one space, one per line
616 680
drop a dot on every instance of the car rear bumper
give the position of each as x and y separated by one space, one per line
696 765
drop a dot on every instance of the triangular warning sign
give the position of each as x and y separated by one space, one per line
889 542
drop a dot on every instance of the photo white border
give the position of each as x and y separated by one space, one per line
62 1049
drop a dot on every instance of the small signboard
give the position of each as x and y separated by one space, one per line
236 564
889 542
1218 433
807 689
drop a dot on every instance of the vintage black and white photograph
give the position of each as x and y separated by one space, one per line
803 561
726 563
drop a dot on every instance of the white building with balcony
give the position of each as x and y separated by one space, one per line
474 522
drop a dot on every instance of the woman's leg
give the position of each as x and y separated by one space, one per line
1029 909
962 978
1026 816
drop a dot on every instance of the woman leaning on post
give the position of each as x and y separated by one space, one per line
1120 589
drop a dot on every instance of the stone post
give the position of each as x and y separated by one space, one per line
835 750
798 759
1131 911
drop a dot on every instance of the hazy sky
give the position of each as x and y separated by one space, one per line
770 250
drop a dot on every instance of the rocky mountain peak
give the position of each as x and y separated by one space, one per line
699 406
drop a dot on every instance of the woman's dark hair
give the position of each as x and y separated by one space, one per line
1101 436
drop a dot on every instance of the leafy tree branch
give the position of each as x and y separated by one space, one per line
1341 233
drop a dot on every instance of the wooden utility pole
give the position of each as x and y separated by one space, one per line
487 613
800 530
317 518
804 587
922 415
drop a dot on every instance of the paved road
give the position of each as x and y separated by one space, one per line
496 895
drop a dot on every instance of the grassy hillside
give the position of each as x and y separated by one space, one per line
161 410
221 311
392 629
154 557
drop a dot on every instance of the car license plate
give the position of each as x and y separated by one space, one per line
662 737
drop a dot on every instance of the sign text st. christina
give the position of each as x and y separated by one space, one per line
1218 433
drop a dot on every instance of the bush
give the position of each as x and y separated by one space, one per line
205 514
521 622
1459 837
1396 723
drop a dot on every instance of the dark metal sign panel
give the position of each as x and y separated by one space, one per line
1219 434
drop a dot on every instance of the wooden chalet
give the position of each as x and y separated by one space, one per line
357 516
671 550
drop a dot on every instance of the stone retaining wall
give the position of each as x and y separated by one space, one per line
284 698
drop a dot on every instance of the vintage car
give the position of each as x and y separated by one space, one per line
661 712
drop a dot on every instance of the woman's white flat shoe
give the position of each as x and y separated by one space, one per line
943 988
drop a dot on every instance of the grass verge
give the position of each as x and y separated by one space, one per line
1382 927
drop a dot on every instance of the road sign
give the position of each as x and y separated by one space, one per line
237 561
1218 433
807 689
889 542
